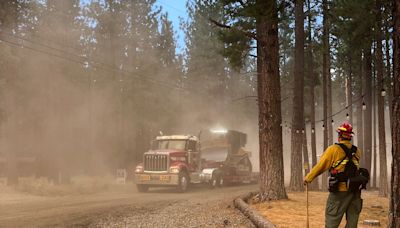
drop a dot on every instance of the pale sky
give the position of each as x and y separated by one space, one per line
176 9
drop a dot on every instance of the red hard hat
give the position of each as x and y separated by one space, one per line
345 129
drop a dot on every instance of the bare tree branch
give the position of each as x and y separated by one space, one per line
221 25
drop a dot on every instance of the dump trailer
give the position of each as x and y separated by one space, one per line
223 151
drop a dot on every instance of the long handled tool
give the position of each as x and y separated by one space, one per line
307 224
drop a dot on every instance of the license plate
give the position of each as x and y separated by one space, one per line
164 178
144 177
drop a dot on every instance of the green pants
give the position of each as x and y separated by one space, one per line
338 204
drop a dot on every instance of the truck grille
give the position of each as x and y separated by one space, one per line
155 162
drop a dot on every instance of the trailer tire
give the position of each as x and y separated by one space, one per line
142 187
183 182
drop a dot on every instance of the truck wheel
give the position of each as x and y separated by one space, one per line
221 182
183 182
214 181
142 187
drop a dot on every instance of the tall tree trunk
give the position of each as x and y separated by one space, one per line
359 132
311 74
330 125
374 175
367 152
296 177
383 185
349 91
330 122
394 215
388 71
306 160
325 75
270 119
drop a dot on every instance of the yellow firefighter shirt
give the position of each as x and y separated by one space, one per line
331 157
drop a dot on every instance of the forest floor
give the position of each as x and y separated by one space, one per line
292 212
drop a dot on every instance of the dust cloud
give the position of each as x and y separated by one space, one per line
75 102
81 96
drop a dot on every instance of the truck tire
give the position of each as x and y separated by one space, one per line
221 182
142 187
213 182
216 181
183 182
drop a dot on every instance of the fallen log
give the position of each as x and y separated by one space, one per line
257 219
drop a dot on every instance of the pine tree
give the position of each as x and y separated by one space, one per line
296 180
260 16
312 83
207 69
394 214
325 78
383 186
353 29
367 150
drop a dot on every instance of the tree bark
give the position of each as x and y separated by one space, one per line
394 215
306 160
296 177
314 185
269 98
359 114
330 122
374 175
349 91
389 74
367 152
325 75
383 185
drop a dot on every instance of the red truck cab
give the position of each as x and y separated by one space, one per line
173 161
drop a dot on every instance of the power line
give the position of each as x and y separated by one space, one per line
87 59
172 7
347 107
84 57
99 65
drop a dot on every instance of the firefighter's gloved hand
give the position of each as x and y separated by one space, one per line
305 182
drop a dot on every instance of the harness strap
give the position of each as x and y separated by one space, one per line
349 153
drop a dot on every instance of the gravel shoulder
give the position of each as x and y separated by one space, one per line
184 213
125 207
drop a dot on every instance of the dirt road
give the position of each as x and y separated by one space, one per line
124 206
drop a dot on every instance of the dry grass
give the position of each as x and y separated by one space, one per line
291 213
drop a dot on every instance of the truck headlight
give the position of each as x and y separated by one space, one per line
174 169
139 169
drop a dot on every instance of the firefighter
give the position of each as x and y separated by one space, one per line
343 198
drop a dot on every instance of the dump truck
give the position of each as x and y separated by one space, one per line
181 160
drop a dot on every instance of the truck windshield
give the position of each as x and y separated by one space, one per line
172 144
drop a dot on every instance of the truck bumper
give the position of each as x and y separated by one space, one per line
157 179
